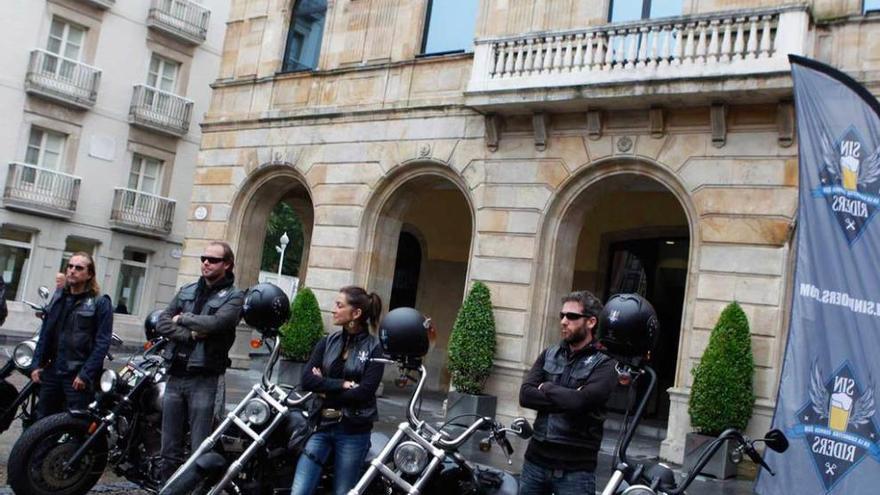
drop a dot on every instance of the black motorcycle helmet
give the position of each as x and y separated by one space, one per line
628 327
151 325
403 334
266 307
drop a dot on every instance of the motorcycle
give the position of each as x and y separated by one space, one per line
22 403
658 479
249 451
420 458
66 453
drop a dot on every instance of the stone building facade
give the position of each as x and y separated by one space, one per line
563 146
102 102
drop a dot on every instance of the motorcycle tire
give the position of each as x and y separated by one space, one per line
36 460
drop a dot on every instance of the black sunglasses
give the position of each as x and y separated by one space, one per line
572 316
78 268
211 259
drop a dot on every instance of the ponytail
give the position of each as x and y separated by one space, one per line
369 304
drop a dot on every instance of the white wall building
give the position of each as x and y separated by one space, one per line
102 102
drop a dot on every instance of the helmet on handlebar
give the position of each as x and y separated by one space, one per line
628 327
151 325
266 307
403 334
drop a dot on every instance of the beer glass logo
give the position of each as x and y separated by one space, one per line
849 178
838 423
838 415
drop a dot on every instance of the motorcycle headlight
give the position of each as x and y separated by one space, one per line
108 381
23 354
410 458
257 412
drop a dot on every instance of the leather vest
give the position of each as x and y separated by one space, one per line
210 354
360 348
578 429
80 337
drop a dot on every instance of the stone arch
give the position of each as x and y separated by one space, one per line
264 188
403 201
561 229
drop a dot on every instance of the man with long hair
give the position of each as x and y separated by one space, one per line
200 323
74 339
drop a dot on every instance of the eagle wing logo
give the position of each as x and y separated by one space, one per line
830 158
869 172
863 409
869 169
819 395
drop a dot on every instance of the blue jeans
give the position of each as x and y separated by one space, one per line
57 393
536 480
349 451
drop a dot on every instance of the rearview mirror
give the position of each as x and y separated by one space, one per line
523 427
775 440
44 292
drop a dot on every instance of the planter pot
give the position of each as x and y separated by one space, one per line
720 466
458 404
289 372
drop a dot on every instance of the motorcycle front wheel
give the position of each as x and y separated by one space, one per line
36 463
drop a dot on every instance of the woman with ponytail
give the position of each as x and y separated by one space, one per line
341 372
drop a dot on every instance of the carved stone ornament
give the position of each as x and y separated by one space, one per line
624 144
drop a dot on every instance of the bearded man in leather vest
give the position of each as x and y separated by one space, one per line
200 323
568 385
74 339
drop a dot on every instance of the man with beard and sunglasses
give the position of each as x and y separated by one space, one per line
200 323
74 339
568 385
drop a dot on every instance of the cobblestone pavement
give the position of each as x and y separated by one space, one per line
392 407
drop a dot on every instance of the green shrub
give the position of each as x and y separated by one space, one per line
305 327
472 343
722 395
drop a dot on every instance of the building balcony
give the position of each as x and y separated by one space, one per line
160 111
141 213
184 20
62 80
101 4
41 191
678 56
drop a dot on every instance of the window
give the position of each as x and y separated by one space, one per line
633 10
45 148
65 41
449 26
145 174
871 6
162 74
132 277
304 35
75 245
15 251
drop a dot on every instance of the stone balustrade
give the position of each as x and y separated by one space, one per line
720 44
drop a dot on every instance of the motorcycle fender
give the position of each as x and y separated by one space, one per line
211 465
86 414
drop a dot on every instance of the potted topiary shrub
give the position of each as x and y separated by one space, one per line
299 335
471 354
722 396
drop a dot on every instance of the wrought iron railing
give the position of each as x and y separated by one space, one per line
160 110
181 18
63 79
142 211
37 188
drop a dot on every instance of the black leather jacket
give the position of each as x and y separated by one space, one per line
214 324
358 405
574 387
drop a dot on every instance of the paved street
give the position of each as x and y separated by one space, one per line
392 408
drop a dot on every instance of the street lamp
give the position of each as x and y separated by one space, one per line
284 242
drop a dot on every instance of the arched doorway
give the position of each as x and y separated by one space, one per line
265 190
420 228
623 227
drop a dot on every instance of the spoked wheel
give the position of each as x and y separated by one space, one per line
37 461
